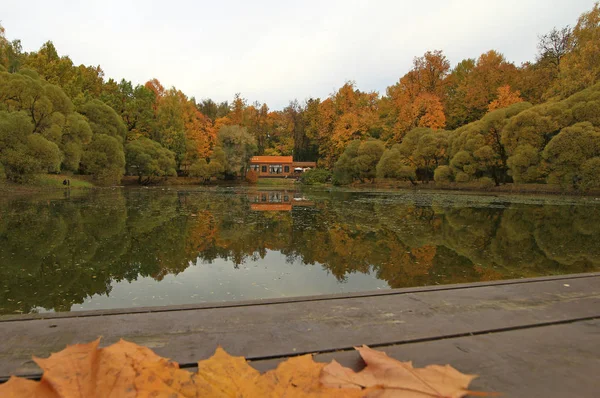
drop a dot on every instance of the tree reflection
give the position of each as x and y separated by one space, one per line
56 252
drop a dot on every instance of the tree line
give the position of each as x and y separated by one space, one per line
485 119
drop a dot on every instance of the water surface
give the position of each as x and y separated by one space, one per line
136 247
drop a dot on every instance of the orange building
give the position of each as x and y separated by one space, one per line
279 166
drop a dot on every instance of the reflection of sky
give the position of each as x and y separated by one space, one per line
270 277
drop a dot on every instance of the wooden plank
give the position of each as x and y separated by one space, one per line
321 297
291 328
554 361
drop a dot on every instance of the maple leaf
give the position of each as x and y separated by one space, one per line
397 379
127 370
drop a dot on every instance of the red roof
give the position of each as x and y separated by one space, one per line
272 159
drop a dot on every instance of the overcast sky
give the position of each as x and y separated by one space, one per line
274 51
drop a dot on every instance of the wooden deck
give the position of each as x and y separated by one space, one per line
525 338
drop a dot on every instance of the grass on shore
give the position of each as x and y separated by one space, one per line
56 181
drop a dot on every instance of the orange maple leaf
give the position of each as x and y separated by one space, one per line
127 370
397 379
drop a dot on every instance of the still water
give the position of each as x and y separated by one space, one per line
137 247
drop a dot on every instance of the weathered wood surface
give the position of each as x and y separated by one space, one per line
553 361
551 323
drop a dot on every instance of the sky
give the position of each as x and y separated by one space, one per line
273 51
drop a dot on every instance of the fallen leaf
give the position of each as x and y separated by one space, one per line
17 387
72 371
299 377
127 370
397 379
116 368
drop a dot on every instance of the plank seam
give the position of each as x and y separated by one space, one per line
37 376
424 339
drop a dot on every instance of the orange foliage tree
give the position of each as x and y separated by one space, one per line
506 97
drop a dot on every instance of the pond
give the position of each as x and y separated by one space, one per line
132 247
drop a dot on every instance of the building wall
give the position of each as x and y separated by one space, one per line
283 173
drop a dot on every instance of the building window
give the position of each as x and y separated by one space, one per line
286 169
264 169
254 167
275 169
275 197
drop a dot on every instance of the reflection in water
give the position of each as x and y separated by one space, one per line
139 247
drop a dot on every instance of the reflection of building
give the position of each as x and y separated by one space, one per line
277 200
278 166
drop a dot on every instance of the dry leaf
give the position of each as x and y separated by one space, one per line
72 371
127 370
397 379
17 387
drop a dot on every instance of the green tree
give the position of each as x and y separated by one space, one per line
425 149
23 153
238 147
103 119
394 164
359 161
104 159
572 156
76 134
148 159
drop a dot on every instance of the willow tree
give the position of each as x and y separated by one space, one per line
573 157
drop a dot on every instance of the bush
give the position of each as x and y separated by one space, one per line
252 176
442 174
315 176
485 183
341 177
462 177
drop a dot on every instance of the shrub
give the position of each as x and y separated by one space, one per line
315 176
485 183
443 174
461 177
341 177
252 176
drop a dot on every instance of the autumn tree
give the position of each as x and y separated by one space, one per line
579 57
476 86
417 99
505 98
346 115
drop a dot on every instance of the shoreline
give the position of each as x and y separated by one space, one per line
11 189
